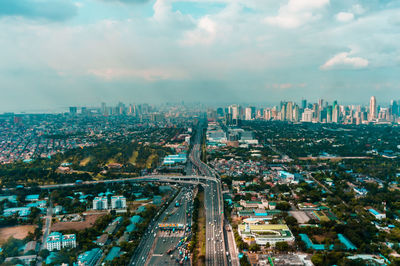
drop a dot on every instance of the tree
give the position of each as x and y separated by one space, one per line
290 220
283 206
318 259
254 247
44 253
282 246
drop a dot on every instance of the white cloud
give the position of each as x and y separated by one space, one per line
296 13
146 74
358 9
344 16
204 33
345 60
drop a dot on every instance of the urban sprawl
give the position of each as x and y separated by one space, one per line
175 184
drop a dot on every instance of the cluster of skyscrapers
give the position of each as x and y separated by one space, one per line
119 109
321 112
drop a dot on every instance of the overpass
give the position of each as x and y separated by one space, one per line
192 179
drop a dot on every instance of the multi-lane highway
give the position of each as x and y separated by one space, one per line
215 240
144 254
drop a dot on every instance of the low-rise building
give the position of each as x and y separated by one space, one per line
265 233
377 214
89 258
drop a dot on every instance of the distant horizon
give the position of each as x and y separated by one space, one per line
64 109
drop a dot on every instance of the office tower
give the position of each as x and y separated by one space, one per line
372 109
267 114
320 103
329 114
315 110
73 110
296 113
394 108
283 113
289 111
234 111
247 113
220 112
303 104
335 114
307 115
228 119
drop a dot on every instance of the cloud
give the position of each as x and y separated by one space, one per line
358 9
296 13
204 34
126 1
344 16
54 10
151 74
343 60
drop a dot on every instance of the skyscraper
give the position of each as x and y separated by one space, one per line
372 108
247 113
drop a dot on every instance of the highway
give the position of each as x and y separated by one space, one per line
144 250
213 203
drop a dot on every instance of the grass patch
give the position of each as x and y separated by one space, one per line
85 161
132 159
150 160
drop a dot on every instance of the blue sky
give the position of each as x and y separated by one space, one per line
57 53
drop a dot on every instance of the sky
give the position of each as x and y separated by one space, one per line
59 53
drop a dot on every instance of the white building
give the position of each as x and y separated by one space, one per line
307 115
266 233
100 203
118 202
58 241
377 215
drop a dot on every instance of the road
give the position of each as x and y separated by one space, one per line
188 179
213 203
152 247
47 225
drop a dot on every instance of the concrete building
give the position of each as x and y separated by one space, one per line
265 233
118 202
58 241
100 203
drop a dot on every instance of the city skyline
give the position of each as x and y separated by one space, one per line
62 52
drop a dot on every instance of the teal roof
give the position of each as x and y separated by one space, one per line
141 209
114 252
32 197
136 219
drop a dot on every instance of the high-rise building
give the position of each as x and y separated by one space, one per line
335 114
248 113
100 203
307 115
304 104
289 111
73 110
283 113
118 202
372 109
234 110
296 113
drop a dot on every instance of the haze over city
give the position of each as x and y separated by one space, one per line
58 53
